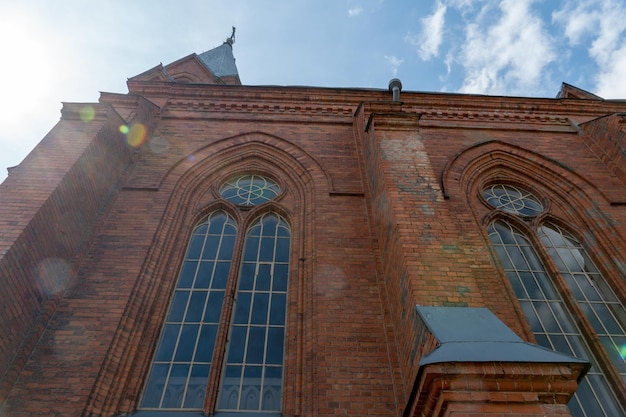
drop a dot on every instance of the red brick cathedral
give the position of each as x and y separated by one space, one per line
202 247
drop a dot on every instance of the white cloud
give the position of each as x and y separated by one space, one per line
603 22
462 4
394 62
431 35
355 11
612 78
509 56
577 20
449 61
612 24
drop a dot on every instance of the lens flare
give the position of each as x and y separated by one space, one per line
87 114
159 145
53 275
622 352
136 135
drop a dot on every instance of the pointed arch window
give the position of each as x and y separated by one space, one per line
551 322
182 361
252 371
595 297
252 377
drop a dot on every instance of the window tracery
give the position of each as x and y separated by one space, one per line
251 366
549 318
249 190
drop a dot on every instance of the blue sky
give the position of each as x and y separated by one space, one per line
70 50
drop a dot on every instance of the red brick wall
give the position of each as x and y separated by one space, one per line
385 214
605 137
51 203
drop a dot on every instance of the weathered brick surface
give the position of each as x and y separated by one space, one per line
384 203
51 203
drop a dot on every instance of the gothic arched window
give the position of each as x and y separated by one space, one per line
252 367
252 377
548 316
180 367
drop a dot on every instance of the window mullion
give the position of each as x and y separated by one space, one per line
604 365
219 351
589 388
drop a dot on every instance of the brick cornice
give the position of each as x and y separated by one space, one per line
494 120
436 106
402 116
496 388
234 109
85 111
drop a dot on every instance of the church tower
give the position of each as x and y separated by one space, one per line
201 247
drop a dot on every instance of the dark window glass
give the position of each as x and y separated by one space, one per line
180 368
591 291
252 376
551 323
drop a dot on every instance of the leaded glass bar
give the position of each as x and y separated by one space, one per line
549 319
182 362
253 372
250 190
513 200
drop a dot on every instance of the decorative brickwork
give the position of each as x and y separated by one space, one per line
384 202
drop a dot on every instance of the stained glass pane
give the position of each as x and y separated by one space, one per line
205 272
251 388
513 200
592 293
168 343
547 315
155 385
250 190
257 335
196 387
242 310
206 343
237 344
185 350
256 345
272 388
196 306
176 384
179 305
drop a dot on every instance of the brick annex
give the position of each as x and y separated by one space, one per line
202 247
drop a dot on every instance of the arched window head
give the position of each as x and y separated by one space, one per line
250 190
549 319
513 200
253 371
252 367
182 362
554 325
594 296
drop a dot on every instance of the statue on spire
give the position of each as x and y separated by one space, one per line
231 40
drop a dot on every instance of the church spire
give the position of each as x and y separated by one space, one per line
215 66
231 40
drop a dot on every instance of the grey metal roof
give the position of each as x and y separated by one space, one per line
220 61
476 335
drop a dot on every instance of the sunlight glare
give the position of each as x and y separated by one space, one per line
33 60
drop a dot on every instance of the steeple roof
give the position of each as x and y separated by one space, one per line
220 61
215 66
